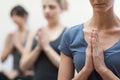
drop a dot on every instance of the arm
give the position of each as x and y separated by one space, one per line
52 55
106 74
66 69
83 74
65 66
49 51
20 48
7 48
11 75
98 59
17 43
88 68
29 57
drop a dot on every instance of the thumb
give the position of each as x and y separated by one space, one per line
90 42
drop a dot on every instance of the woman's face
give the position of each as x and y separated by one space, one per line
19 20
51 10
102 5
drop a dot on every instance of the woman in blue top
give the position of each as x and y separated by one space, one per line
93 48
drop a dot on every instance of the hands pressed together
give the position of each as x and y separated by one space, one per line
43 39
18 40
94 54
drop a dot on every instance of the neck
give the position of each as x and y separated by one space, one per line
53 24
22 28
104 20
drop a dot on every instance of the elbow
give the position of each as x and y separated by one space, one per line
58 63
2 59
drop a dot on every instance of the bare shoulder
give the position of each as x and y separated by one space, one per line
9 36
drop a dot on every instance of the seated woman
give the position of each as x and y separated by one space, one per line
93 48
15 43
45 56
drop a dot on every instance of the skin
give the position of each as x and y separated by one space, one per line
17 38
45 35
101 32
52 11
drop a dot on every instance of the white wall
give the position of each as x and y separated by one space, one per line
79 12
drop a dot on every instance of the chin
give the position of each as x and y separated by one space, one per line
100 10
50 21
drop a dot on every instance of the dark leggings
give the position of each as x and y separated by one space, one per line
24 78
4 77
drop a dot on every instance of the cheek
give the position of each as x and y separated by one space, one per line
44 13
19 21
16 21
57 13
91 1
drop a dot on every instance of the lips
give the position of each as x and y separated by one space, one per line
100 4
48 16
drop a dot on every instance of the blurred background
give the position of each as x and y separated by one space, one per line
79 12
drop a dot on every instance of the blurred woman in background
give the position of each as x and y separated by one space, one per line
45 57
15 43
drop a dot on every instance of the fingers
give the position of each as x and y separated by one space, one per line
39 34
89 61
90 42
95 39
89 48
95 42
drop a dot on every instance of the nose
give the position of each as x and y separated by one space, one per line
47 10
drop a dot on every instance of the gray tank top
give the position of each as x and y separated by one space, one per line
74 46
17 56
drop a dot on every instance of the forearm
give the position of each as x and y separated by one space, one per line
8 47
20 48
106 74
5 54
53 56
82 75
29 59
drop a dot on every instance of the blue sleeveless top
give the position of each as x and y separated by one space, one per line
74 46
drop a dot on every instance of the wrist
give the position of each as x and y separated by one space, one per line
46 48
83 74
17 46
102 70
38 47
87 69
